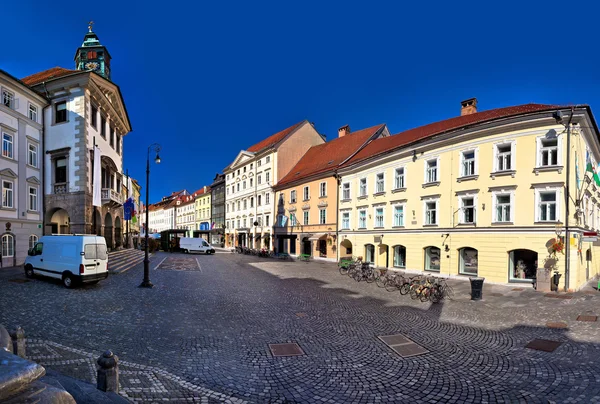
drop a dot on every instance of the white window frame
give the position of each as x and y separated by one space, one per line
400 222
379 220
9 251
267 198
322 216
426 171
559 152
32 112
538 202
6 94
34 153
346 220
475 163
462 215
322 189
362 192
293 196
305 194
379 183
11 191
361 225
267 176
33 238
35 195
346 188
495 195
11 142
268 159
259 179
306 217
513 157
425 211
400 179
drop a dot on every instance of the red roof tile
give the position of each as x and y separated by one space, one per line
460 122
328 156
273 139
46 75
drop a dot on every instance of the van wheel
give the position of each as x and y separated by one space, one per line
29 271
68 281
186 252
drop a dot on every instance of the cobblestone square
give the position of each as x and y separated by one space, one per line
202 334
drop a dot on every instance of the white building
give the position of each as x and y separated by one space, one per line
163 214
21 210
185 211
249 181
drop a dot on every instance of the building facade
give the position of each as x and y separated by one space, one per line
249 181
185 214
203 213
217 211
162 215
86 110
482 194
21 126
307 196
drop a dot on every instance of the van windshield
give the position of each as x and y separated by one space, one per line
95 251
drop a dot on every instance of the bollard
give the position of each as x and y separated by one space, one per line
108 372
18 340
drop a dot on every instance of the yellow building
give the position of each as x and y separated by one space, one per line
306 198
203 213
482 194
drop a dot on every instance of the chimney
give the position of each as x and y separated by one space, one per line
344 130
205 189
468 107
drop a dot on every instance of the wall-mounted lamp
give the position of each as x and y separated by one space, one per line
382 236
483 206
414 156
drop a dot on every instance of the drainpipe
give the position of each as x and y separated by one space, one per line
43 162
568 197
337 215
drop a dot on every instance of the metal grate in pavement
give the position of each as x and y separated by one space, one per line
301 314
517 289
556 324
543 345
584 317
289 349
402 345
557 296
18 280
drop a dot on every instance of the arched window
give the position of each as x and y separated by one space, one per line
467 261
370 253
32 240
8 246
522 265
432 259
400 256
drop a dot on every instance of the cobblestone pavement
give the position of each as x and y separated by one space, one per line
202 335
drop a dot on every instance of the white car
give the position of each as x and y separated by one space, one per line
71 258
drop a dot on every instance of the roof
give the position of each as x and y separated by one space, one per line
21 83
274 139
47 75
201 191
410 136
327 156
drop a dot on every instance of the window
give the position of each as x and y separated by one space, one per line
238 224
245 204
7 145
118 140
227 207
251 202
522 265
379 183
346 220
346 190
306 194
322 216
468 163
467 264
232 189
227 224
60 112
238 187
268 159
398 215
399 178
432 259
239 205
268 176
502 212
306 217
259 200
548 152
251 165
267 198
8 246
244 184
378 217
400 256
293 221
431 171
547 209
103 127
258 163
251 182
362 219
32 152
467 209
244 169
322 189
32 240
112 137
267 220
259 220
370 253
245 223
94 117
431 213
33 112
293 197
363 187
8 99
7 194
33 199
259 180
504 157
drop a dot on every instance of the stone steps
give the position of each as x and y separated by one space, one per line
123 260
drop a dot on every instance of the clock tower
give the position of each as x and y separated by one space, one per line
91 55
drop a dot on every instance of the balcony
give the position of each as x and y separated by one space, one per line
111 197
61 188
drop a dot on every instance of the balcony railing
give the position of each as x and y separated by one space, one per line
110 196
61 188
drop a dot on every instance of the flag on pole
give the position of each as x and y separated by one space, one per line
590 167
97 190
129 188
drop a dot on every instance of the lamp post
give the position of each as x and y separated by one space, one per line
146 282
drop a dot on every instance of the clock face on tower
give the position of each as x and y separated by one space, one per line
92 65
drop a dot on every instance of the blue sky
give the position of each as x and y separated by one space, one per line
207 79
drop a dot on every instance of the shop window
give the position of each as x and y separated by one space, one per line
432 259
400 256
522 265
370 253
468 261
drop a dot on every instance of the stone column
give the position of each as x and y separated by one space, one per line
108 372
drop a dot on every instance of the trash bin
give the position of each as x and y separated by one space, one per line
476 288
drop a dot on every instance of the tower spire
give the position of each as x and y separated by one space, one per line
90 25
92 55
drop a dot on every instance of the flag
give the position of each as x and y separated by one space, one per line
97 189
589 167
129 188
212 226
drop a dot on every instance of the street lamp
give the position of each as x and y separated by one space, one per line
146 282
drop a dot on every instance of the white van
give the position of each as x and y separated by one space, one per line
188 244
73 258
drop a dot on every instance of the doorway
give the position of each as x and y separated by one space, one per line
323 248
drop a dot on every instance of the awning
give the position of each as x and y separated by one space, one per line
316 236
